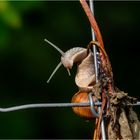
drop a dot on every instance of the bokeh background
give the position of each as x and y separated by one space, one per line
26 62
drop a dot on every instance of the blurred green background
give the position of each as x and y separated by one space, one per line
27 61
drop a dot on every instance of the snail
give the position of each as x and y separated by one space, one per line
85 76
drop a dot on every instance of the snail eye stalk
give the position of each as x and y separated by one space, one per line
58 66
54 46
55 70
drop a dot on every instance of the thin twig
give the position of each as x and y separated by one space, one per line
92 22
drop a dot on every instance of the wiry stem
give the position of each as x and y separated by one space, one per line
92 22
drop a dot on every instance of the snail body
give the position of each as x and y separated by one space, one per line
85 75
72 56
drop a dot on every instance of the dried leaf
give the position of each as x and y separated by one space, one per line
123 121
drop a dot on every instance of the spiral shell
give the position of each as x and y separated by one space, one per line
85 112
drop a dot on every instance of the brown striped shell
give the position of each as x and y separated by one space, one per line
85 112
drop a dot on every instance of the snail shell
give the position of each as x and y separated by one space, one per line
85 112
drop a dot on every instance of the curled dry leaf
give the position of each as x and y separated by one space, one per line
123 121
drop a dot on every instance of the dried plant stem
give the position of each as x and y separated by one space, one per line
92 22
